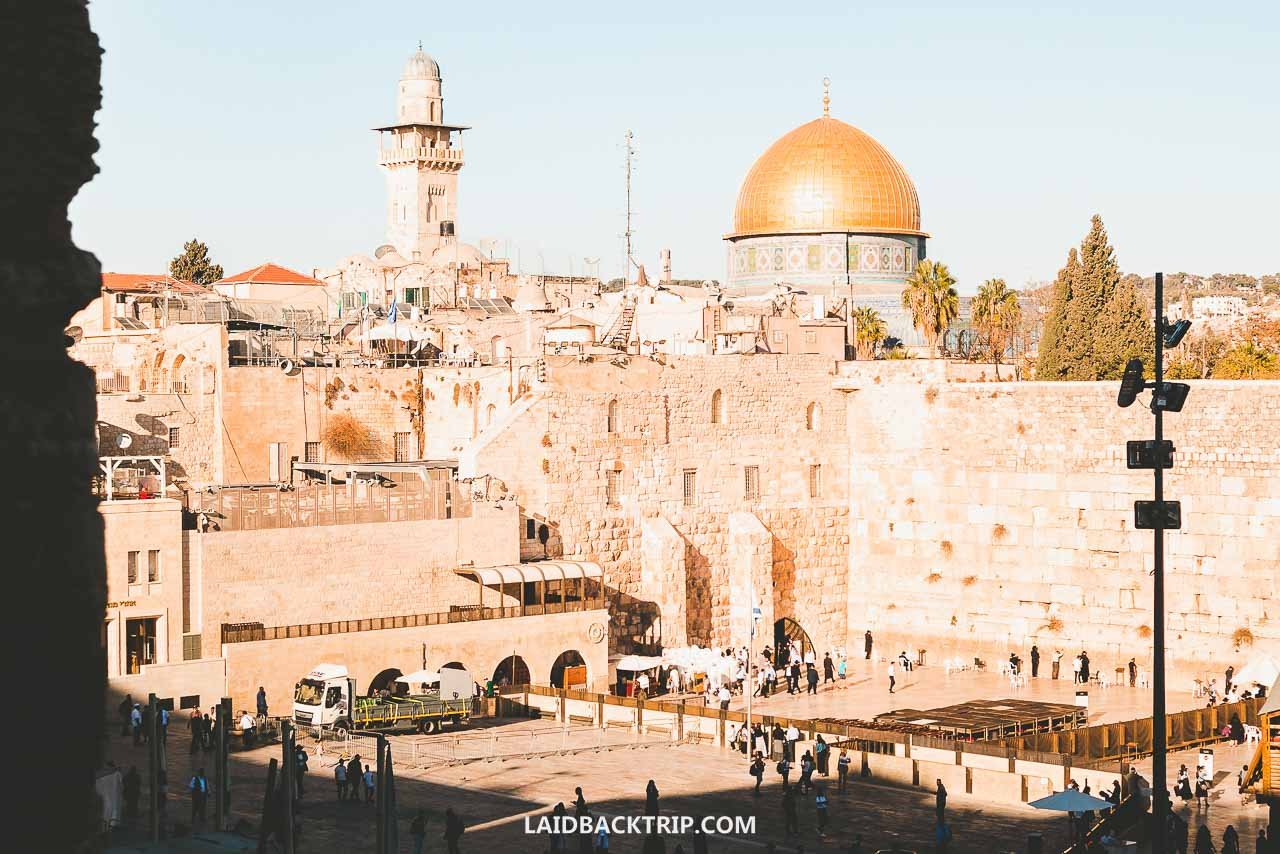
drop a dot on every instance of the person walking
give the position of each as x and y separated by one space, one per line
1230 841
842 668
135 724
1230 674
891 677
602 839
1057 662
453 830
651 799
793 738
262 702
247 727
828 669
794 676
206 732
790 811
164 725
1204 842
199 788
806 773
820 805
866 643
300 768
418 831
1084 668
724 696
842 769
1133 672
126 715
370 785
784 769
1075 670
757 770
811 675
196 726
940 801
1035 661
340 777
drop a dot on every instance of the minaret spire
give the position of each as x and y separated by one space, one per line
826 96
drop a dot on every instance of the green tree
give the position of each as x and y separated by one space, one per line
931 297
193 264
868 331
1123 332
996 315
1247 361
1059 348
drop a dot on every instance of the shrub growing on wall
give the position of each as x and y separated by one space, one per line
347 438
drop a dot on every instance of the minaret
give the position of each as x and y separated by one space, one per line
421 163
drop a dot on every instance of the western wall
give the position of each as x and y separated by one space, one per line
986 517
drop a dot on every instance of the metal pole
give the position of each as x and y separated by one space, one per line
288 783
153 764
264 826
1159 738
380 806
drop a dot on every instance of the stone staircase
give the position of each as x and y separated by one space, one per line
619 334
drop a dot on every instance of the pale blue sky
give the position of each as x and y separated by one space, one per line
247 124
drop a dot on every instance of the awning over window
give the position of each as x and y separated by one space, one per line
543 570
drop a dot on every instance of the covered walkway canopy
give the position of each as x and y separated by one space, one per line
542 587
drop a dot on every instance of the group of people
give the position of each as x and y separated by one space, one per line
351 778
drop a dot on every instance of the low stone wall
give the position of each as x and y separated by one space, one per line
203 681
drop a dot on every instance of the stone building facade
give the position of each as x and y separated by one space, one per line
690 482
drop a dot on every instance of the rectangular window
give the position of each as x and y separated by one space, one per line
190 648
611 479
153 565
403 451
751 482
174 437
189 701
312 451
690 487
810 337
279 463
133 566
140 644
530 529
815 481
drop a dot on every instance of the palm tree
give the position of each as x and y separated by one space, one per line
931 297
868 331
996 315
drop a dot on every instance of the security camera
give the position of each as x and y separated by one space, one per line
1174 334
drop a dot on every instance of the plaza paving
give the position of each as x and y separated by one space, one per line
864 693
495 795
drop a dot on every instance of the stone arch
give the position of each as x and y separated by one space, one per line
813 416
159 376
497 349
611 416
513 668
786 630
179 383
386 679
717 407
490 412
568 658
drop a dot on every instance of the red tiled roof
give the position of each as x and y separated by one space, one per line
148 283
269 274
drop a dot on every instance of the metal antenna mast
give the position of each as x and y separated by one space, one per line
630 152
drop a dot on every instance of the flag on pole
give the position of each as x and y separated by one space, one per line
394 313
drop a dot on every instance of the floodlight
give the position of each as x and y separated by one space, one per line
1174 334
1131 383
1170 397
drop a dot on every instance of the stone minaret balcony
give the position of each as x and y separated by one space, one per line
435 158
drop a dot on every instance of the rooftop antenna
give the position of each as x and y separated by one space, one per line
630 152
826 97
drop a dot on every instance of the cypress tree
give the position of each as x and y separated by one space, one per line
1099 275
1055 354
1123 332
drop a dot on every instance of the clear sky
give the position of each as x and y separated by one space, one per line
247 124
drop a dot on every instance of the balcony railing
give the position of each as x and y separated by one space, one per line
312 504
412 155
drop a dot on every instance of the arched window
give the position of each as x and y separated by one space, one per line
489 414
611 419
717 407
813 416
178 382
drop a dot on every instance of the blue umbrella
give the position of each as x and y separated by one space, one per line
1071 801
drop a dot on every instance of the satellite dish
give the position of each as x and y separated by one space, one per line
75 333
123 441
286 365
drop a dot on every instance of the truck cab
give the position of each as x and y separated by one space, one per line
324 696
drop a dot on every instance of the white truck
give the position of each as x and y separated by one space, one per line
327 698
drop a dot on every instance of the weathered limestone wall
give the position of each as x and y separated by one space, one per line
662 577
481 646
285 576
990 516
557 450
142 527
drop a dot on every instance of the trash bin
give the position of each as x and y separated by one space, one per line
1082 699
1035 843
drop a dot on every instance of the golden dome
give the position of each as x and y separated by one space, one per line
826 176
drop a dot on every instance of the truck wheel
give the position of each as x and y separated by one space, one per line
342 729
429 726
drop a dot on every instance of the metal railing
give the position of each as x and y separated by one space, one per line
314 504
248 632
